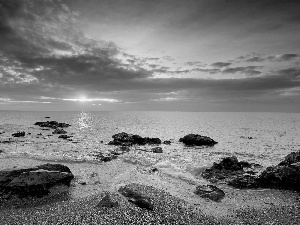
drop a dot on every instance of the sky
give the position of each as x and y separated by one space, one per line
170 55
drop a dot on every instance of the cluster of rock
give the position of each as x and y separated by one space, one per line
52 124
125 139
285 175
35 181
19 134
198 140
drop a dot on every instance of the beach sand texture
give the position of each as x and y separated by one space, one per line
172 196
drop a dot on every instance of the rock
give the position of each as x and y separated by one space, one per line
167 142
125 139
291 158
59 131
157 150
227 169
19 134
244 181
198 140
280 177
210 191
64 136
35 181
52 124
47 117
136 198
286 175
106 201
153 170
106 157
55 167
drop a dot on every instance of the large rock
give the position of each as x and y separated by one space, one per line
210 191
131 139
136 198
291 158
52 124
196 139
235 173
35 181
281 177
59 131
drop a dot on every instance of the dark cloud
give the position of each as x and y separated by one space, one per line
272 58
210 71
283 57
248 70
255 59
220 64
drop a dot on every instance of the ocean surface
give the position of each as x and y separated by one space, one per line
263 138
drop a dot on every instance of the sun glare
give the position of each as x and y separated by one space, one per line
83 99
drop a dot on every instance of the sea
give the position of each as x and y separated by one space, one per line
263 138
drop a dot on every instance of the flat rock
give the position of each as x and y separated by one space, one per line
210 191
35 181
136 198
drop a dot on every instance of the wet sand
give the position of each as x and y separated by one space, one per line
171 191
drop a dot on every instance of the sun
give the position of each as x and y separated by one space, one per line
83 99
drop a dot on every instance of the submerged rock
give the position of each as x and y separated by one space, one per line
198 140
64 136
19 134
59 131
210 191
136 198
167 142
131 139
35 181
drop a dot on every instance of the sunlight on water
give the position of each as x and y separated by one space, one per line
84 120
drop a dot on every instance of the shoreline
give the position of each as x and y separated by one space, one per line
108 177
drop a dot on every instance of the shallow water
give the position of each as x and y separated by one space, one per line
273 135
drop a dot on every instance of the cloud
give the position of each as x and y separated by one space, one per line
92 100
248 70
271 58
255 59
283 57
220 64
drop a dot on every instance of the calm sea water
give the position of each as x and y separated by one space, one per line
273 135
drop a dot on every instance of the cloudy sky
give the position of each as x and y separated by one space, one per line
181 55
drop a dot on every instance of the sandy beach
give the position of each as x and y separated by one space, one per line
172 195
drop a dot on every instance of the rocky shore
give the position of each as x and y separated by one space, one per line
114 190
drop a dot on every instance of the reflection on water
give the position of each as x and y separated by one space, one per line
84 120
